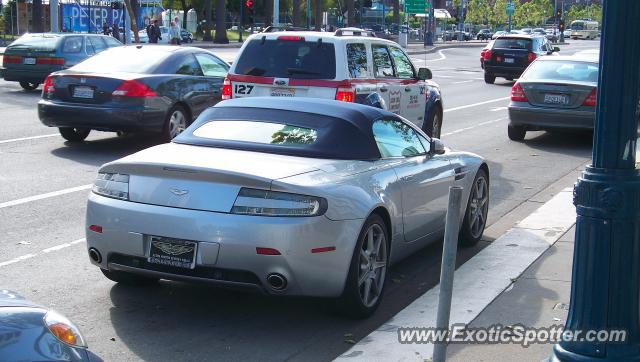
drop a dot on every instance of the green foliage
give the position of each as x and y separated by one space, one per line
5 26
593 11
532 13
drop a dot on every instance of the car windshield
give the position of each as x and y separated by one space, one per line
562 70
513 43
257 132
142 60
288 59
36 42
577 25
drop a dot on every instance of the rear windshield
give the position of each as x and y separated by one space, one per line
578 25
562 70
257 132
124 60
513 43
36 42
288 59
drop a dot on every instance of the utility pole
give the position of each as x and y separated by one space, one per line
276 13
510 12
241 25
563 24
428 38
308 14
53 15
605 282
461 21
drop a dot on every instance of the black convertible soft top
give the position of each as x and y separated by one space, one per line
343 129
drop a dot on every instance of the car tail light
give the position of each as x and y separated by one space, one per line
291 38
591 99
346 94
273 203
112 185
531 57
487 54
50 61
517 93
11 59
48 87
134 88
226 89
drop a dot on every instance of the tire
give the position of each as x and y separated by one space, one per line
128 278
74 134
489 78
516 133
475 216
435 122
177 121
29 86
372 275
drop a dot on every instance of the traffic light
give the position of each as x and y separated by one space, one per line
561 26
558 13
248 5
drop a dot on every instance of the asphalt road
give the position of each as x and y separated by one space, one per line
44 184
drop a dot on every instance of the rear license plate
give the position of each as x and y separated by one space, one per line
283 92
29 61
83 92
509 60
172 252
556 99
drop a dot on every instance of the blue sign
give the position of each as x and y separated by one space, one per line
85 18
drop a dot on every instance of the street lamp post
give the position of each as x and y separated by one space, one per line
428 39
605 289
241 25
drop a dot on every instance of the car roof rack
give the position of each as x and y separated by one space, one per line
354 32
275 28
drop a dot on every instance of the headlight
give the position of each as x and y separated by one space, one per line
63 329
273 203
112 185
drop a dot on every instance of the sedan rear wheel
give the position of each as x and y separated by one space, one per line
128 278
72 134
489 78
516 133
29 86
177 121
475 217
368 270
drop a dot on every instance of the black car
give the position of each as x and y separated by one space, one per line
30 332
484 34
511 54
137 88
186 36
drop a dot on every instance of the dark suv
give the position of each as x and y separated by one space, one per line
511 54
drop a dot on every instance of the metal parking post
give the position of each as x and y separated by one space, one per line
448 268
605 288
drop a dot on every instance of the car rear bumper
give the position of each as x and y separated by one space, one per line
500 71
104 118
31 76
226 252
524 114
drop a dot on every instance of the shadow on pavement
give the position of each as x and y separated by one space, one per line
100 151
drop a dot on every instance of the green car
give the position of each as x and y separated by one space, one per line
32 57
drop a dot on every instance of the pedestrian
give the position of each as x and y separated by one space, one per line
174 34
115 32
177 21
105 28
153 32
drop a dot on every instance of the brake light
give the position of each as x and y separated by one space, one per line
346 94
487 54
133 88
48 87
531 57
226 89
591 99
50 61
11 59
517 93
291 38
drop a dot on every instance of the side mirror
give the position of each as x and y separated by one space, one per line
556 49
424 74
437 146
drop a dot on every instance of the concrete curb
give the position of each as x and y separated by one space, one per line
477 283
444 46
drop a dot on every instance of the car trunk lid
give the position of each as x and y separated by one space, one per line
88 88
567 95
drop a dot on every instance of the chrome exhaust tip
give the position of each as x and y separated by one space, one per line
94 254
277 281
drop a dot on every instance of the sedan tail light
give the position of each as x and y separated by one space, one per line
591 99
272 203
487 54
133 88
346 94
226 89
11 59
531 57
48 86
50 61
517 93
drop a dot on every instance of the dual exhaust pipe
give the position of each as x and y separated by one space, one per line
95 255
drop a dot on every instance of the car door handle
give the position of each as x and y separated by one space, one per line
383 89
407 89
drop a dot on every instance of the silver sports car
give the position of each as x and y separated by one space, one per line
297 197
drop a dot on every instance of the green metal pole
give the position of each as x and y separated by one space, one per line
605 288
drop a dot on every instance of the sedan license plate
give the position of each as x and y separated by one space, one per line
556 99
83 92
172 252
509 60
283 92
29 61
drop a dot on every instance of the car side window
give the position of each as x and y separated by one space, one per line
97 43
396 139
211 66
189 66
382 65
404 68
111 42
357 60
73 44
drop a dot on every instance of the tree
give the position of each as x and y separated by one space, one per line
318 14
396 12
208 18
221 24
296 13
134 22
351 13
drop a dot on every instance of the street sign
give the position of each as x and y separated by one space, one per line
511 8
416 6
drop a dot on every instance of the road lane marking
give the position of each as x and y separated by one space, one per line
474 126
28 138
476 104
496 109
463 81
44 196
442 57
43 251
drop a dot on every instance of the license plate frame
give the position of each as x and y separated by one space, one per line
556 99
83 92
282 92
168 252
29 61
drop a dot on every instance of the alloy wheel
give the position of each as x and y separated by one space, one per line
373 265
478 207
435 133
177 123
